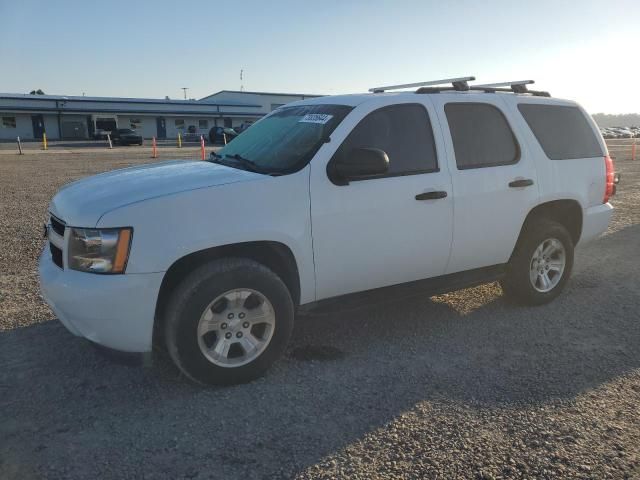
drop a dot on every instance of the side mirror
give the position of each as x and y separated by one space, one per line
358 164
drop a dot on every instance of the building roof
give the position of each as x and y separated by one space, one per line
127 100
305 95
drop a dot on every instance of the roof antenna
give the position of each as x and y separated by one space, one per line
185 91
241 85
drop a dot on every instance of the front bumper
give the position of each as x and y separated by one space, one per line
116 311
595 221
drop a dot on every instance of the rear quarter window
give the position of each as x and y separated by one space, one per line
562 131
481 136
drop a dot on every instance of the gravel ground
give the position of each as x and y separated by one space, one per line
463 385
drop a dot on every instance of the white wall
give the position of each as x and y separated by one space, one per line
172 131
149 128
23 129
50 126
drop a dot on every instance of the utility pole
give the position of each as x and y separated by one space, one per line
241 85
185 91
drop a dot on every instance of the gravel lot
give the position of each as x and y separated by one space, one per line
463 385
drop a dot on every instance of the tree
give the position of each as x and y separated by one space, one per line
36 92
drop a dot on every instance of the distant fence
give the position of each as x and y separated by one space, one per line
624 148
619 148
43 145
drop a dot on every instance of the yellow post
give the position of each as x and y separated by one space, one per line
179 140
44 141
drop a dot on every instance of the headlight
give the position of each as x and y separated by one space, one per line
104 250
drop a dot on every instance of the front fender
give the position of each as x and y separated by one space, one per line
168 228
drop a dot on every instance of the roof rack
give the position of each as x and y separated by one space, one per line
517 86
459 84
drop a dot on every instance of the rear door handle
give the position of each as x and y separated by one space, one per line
521 183
431 195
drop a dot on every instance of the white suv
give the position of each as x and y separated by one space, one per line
430 190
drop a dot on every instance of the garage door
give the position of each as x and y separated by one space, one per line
72 130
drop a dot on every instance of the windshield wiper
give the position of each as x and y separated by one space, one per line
245 162
239 159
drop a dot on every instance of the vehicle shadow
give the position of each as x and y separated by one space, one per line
66 408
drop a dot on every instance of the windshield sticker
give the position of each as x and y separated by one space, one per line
321 118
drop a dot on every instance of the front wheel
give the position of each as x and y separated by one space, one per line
228 321
541 263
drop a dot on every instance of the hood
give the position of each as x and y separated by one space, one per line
82 203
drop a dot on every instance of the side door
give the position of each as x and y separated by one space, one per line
382 230
162 127
38 126
494 178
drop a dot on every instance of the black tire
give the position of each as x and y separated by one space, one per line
190 299
517 284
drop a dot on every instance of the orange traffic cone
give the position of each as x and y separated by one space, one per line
154 149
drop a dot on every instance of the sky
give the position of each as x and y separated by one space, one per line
587 51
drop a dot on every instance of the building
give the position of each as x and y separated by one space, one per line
73 118
267 101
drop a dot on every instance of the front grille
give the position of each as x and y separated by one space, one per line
57 225
56 240
56 254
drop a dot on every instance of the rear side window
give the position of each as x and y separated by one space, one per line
562 131
403 131
481 136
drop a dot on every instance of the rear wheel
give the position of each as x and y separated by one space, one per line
541 263
228 321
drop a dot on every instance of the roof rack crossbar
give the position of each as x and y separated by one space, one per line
475 88
458 84
517 86
525 90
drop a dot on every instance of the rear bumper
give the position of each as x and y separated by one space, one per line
116 311
595 221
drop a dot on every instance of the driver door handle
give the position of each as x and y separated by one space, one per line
431 195
521 183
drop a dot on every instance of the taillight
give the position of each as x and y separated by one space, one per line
610 185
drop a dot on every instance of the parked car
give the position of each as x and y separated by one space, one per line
101 134
218 135
192 135
625 133
243 126
126 136
345 198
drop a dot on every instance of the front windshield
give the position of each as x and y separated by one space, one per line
287 139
